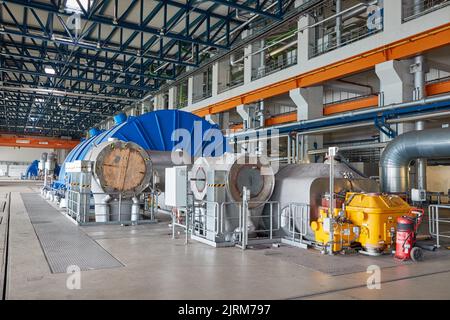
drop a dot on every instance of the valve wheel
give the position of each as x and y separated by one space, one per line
416 254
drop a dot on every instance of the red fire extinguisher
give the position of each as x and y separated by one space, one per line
405 237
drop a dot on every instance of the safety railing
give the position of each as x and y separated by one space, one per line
222 224
236 82
202 218
412 9
182 103
329 41
274 66
267 223
201 96
438 198
439 222
115 208
295 223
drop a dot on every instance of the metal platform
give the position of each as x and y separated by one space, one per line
64 244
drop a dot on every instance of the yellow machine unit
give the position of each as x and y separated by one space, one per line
344 232
369 219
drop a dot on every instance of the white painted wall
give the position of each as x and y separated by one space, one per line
21 154
438 178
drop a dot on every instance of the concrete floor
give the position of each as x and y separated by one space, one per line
157 267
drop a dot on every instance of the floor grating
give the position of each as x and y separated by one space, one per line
64 244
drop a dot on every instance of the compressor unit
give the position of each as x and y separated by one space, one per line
361 220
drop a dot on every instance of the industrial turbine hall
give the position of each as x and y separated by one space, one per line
224 150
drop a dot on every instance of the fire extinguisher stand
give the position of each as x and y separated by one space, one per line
405 239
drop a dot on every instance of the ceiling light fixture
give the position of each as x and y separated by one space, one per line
49 70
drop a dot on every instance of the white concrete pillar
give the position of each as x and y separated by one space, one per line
145 106
248 58
246 112
215 79
172 98
190 88
158 102
396 86
213 118
309 102
303 38
225 120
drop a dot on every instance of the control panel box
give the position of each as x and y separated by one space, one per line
418 195
176 187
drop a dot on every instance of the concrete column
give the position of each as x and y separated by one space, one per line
215 79
213 118
225 120
309 102
396 86
158 102
190 90
247 114
248 59
172 98
304 37
145 106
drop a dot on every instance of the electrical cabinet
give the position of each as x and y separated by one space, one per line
176 187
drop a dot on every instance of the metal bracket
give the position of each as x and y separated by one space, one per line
384 127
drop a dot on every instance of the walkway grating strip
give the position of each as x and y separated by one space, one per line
64 244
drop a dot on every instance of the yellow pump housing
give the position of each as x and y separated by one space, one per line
343 233
373 219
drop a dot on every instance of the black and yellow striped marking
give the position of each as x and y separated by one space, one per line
82 185
216 185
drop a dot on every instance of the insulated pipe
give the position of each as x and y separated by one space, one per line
400 106
395 159
421 163
135 209
419 90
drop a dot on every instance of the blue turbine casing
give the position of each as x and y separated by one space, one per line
154 131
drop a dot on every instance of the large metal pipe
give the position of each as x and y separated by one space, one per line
420 93
395 159
399 106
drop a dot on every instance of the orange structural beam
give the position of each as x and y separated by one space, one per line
283 118
401 49
366 102
37 142
351 105
438 88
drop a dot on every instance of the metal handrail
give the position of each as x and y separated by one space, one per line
275 66
296 214
414 9
79 207
351 36
434 221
